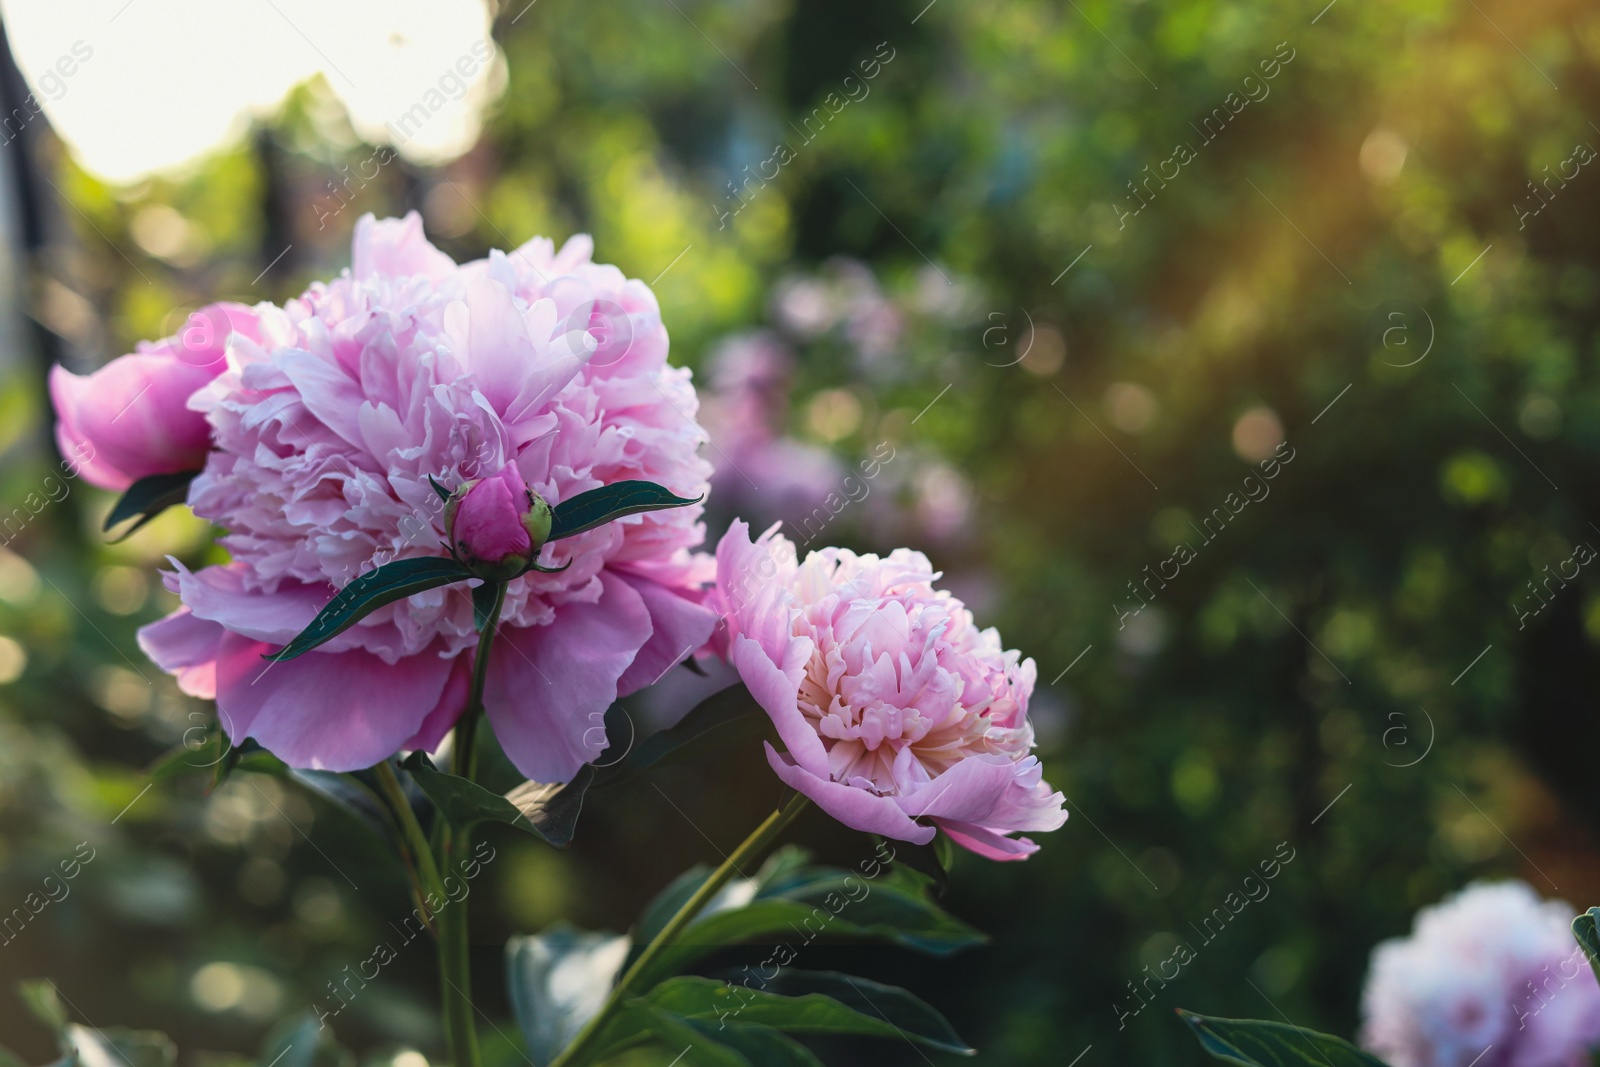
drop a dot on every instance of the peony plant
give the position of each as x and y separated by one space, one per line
456 493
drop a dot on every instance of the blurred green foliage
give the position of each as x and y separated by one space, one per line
1351 665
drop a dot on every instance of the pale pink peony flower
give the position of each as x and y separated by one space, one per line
326 430
1490 976
893 705
129 419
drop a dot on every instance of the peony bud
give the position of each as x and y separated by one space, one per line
497 524
130 419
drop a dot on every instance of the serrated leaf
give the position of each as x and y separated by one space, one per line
725 717
366 594
1257 1043
599 506
557 980
149 497
548 811
813 1002
1584 928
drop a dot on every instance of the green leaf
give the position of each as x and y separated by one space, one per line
557 980
639 1022
726 717
812 1002
548 811
1256 1043
349 793
599 506
443 493
149 497
388 583
791 904
759 1045
1588 935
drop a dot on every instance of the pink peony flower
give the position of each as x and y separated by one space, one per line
1492 972
128 419
540 368
893 705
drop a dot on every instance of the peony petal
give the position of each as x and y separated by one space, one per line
333 711
548 687
452 702
395 248
858 809
970 791
986 843
185 645
679 625
777 691
218 594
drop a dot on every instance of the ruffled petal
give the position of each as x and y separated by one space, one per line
185 646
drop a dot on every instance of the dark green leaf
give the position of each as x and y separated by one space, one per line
639 1022
349 794
1255 1043
548 811
444 494
728 716
813 1002
149 497
388 583
1588 935
599 506
759 1045
791 903
557 980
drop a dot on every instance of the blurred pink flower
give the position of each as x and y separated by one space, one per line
894 707
326 431
129 418
1490 976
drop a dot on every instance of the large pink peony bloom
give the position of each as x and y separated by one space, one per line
893 705
1491 976
326 431
129 419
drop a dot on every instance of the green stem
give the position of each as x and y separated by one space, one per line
759 840
457 1025
455 961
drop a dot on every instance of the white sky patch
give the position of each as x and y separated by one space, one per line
137 87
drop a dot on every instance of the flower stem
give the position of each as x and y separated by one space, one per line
455 961
753 846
